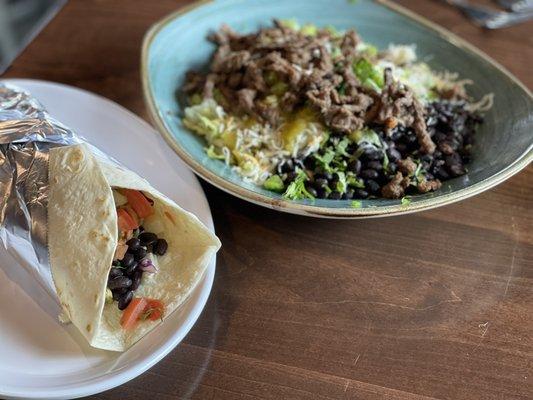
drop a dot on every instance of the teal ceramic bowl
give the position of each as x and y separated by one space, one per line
504 144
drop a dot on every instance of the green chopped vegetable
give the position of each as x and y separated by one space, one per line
274 183
296 190
291 23
366 136
271 78
309 30
370 51
405 201
336 52
211 153
195 99
279 88
356 204
341 147
341 184
325 160
367 74
355 182
386 161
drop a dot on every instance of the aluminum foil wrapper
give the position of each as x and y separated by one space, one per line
27 133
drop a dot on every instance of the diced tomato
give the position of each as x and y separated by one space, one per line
154 309
141 308
138 202
125 221
131 314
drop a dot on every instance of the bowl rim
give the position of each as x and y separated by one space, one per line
310 209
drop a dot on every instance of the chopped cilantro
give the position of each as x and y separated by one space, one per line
296 190
274 183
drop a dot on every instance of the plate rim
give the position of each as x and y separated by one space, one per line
308 209
111 380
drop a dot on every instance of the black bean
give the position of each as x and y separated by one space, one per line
160 247
133 244
360 194
320 183
335 195
291 176
372 186
369 174
119 282
136 279
372 154
456 170
147 238
392 168
321 193
118 293
375 165
393 154
127 260
125 300
140 253
287 167
114 272
115 263
130 269
441 173
354 166
348 195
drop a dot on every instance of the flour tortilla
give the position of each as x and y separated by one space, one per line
83 233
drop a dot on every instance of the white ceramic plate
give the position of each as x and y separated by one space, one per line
40 358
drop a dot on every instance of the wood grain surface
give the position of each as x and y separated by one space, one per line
436 305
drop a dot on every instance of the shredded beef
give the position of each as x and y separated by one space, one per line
246 68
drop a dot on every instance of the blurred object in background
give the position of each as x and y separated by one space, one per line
20 22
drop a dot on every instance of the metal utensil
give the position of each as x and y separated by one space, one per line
516 5
488 17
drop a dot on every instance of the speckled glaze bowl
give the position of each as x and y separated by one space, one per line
504 143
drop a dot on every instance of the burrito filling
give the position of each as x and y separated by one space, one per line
135 255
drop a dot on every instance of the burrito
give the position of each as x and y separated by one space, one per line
123 256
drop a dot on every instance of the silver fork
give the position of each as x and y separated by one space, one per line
516 5
488 17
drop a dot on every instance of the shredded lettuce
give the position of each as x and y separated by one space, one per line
205 119
290 23
356 204
341 183
309 30
366 136
353 181
367 74
296 190
405 201
211 153
274 183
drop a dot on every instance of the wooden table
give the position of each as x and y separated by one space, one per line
433 305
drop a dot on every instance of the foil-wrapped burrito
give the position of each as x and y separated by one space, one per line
116 254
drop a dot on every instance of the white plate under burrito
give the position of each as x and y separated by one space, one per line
39 357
